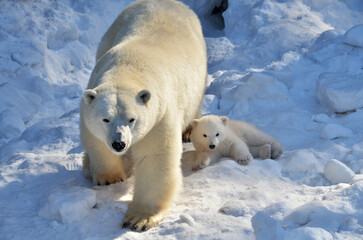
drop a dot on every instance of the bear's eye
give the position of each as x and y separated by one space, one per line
217 134
106 120
204 135
131 120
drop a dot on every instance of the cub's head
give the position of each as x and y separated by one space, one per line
208 132
117 117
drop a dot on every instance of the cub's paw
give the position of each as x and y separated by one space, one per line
275 154
265 151
107 179
276 150
244 159
200 165
140 222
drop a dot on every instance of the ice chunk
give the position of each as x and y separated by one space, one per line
337 172
333 131
340 92
69 205
354 36
311 233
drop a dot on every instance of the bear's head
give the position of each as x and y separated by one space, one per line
118 117
208 132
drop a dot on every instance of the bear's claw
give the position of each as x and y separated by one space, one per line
139 223
105 179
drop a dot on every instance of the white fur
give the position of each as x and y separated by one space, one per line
238 140
151 67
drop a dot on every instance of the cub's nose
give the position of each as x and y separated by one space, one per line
212 146
118 146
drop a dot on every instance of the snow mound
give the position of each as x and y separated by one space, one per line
354 36
235 208
267 224
187 219
321 118
69 205
340 92
333 131
337 172
310 233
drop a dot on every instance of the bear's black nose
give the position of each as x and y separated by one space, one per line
118 146
212 146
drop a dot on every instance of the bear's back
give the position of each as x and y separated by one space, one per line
152 19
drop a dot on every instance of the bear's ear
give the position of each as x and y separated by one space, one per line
144 96
224 120
195 123
89 95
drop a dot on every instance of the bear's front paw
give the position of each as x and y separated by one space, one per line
107 179
244 159
141 221
200 164
265 151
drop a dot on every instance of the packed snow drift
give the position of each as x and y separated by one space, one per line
293 68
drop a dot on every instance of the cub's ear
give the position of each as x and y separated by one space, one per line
195 123
89 95
144 96
224 120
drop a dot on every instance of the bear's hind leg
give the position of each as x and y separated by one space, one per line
86 166
261 151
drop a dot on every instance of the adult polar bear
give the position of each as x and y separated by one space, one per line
146 88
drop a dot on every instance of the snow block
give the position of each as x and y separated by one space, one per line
69 205
337 172
354 36
340 92
333 131
311 233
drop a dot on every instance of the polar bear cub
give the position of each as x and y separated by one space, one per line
214 137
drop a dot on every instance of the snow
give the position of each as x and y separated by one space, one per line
308 233
69 205
337 172
292 68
